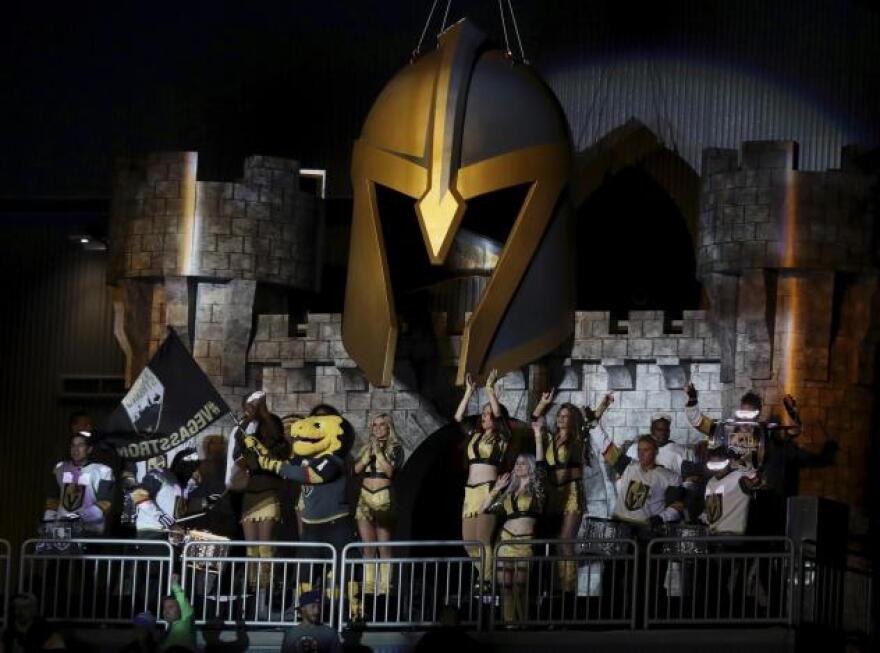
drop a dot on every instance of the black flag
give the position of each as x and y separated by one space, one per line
171 401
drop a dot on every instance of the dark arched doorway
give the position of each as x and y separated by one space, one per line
634 249
430 488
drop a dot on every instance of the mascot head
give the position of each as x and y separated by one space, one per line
321 435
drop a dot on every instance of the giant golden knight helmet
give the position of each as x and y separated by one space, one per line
462 122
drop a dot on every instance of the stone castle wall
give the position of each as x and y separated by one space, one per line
787 260
785 257
167 223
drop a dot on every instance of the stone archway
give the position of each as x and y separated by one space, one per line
633 144
636 226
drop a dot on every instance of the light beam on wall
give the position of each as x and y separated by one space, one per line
189 229
792 348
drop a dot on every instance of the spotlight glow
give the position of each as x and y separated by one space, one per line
793 287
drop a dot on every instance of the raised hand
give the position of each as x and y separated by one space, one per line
491 380
547 397
501 481
691 391
469 383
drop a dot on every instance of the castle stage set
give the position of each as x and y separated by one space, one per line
523 276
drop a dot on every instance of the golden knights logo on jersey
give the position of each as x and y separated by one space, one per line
714 507
636 495
72 496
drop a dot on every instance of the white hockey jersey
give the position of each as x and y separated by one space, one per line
727 505
641 494
159 501
83 491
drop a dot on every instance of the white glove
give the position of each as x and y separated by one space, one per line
91 514
50 515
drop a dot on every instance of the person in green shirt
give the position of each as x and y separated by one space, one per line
178 614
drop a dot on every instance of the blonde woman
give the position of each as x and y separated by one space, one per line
488 436
378 461
518 498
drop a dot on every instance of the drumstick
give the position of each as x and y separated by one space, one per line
193 516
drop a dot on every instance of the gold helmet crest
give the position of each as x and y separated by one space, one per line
458 123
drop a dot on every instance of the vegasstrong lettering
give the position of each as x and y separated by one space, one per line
154 446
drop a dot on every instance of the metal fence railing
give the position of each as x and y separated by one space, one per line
835 593
226 586
534 584
411 588
719 580
537 583
96 581
5 580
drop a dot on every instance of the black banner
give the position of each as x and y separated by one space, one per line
170 402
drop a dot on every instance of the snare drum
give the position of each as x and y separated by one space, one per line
599 531
57 535
209 546
684 532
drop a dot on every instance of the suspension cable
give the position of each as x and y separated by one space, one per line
504 29
445 15
425 29
522 52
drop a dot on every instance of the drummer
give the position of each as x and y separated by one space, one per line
728 494
158 500
648 494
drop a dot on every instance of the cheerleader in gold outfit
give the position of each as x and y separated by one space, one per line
378 461
566 452
518 498
487 439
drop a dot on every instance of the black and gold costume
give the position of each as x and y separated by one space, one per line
260 497
525 504
486 450
566 497
320 444
377 506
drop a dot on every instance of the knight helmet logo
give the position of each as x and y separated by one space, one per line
714 507
143 403
72 497
636 495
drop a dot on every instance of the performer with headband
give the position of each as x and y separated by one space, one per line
486 445
379 460
518 498
80 490
261 508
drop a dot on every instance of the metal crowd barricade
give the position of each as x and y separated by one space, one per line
96 580
411 588
835 594
545 587
5 573
225 586
719 580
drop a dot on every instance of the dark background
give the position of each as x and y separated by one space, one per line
84 81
